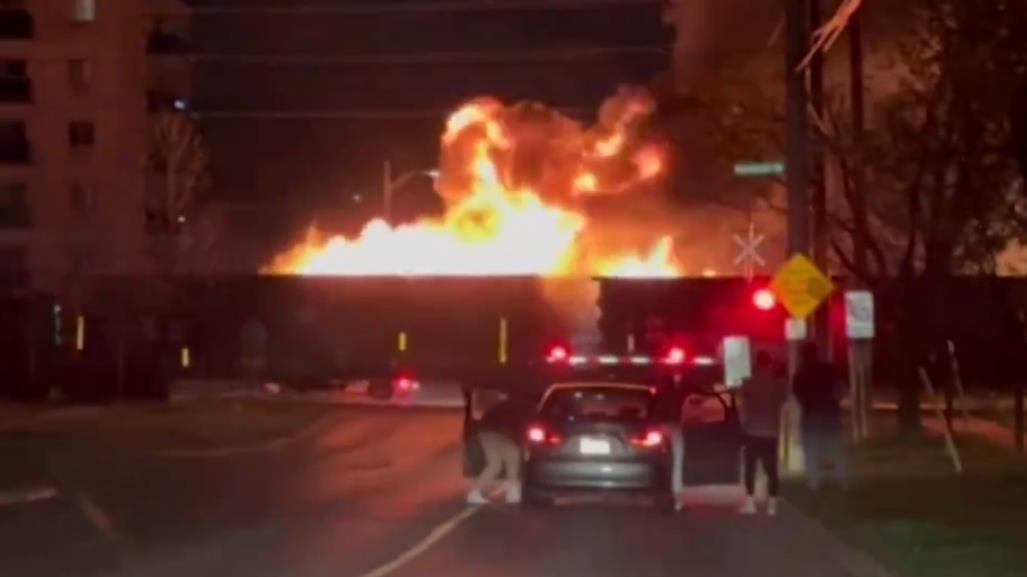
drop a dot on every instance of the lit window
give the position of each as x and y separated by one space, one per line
81 135
85 10
80 75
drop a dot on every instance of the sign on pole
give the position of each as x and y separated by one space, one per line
859 314
800 286
795 329
759 169
737 361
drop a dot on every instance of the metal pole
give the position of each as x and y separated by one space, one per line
821 319
798 127
387 191
858 129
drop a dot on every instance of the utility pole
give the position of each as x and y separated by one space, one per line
798 34
860 241
821 319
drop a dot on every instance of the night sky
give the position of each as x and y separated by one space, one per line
389 110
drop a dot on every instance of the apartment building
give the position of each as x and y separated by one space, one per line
79 80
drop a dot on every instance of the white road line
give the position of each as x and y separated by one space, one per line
11 498
99 518
436 535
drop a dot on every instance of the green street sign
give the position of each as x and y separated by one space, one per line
759 168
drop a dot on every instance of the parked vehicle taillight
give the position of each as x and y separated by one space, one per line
650 439
537 435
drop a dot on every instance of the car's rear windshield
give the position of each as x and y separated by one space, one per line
598 404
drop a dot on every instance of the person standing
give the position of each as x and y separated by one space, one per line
670 399
818 389
499 432
762 397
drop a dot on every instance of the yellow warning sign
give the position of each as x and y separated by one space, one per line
800 286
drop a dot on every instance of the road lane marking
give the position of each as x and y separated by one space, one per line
436 535
11 498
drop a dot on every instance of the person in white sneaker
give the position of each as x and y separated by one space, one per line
499 432
761 399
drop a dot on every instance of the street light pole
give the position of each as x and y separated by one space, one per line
387 191
390 185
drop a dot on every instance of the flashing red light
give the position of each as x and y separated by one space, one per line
764 299
405 384
650 439
557 354
674 356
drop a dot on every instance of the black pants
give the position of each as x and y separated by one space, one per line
761 449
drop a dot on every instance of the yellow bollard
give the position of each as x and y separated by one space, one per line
503 336
401 342
186 357
80 333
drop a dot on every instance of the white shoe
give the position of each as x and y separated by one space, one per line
772 507
749 507
476 498
513 495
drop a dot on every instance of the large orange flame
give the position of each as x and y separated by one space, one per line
514 180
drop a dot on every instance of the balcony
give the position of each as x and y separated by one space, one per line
15 90
16 24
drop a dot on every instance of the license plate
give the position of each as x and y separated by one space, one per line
591 446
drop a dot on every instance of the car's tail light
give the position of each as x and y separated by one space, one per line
405 383
538 435
650 439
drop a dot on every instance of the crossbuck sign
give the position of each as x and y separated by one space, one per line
749 258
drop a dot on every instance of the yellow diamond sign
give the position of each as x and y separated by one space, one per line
800 286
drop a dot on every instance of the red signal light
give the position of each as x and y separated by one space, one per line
764 299
536 434
674 356
558 354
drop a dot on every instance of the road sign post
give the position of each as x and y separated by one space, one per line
860 330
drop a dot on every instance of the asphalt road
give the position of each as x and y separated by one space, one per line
359 500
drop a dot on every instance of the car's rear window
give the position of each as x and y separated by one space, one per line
598 404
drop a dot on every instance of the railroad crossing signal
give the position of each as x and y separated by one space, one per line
749 258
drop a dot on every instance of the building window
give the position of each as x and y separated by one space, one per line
14 267
81 135
14 144
14 206
81 196
15 86
84 10
80 75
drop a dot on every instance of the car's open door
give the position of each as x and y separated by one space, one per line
713 438
477 400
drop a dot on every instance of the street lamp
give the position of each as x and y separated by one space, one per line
390 185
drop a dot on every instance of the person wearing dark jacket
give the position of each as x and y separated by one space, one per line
818 389
499 433
667 408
